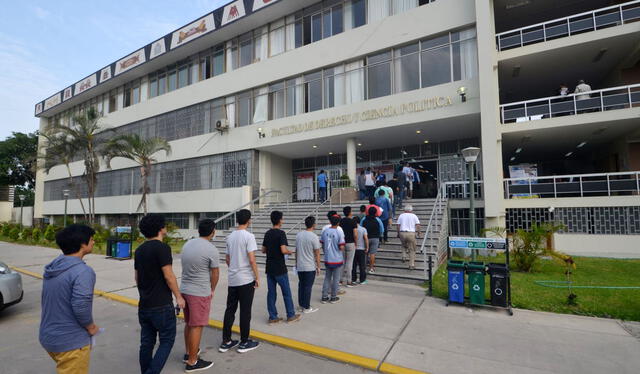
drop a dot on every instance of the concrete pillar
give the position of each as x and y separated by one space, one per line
40 175
491 136
351 160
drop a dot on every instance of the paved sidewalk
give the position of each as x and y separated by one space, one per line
395 324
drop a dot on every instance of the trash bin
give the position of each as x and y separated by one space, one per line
123 250
475 273
455 271
498 274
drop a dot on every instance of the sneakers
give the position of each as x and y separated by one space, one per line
341 292
334 300
227 346
325 300
349 285
310 310
274 321
295 318
363 282
247 346
186 356
199 365
372 271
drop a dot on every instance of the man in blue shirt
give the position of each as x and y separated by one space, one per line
322 186
385 204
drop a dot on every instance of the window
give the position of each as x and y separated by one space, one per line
135 94
313 91
162 84
218 60
378 9
183 76
243 102
329 88
173 80
276 101
153 87
260 105
295 96
316 27
276 38
355 14
232 55
406 68
246 49
113 102
465 55
179 219
379 75
436 61
337 20
194 77
261 44
400 6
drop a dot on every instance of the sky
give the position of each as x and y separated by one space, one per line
46 45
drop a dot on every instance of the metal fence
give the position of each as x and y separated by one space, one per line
575 24
460 189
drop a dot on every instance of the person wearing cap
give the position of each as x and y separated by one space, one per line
408 231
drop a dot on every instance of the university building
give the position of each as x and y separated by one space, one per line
261 95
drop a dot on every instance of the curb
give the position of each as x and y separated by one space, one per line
332 354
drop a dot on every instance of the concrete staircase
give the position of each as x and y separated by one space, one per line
389 265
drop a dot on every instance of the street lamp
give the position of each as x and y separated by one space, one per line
470 155
21 197
65 194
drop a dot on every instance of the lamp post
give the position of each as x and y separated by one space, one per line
65 193
21 197
470 155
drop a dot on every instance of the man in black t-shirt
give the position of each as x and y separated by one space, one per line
350 238
275 246
156 281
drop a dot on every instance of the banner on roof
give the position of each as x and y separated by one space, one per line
38 108
193 31
131 61
105 74
86 83
52 101
67 94
233 12
257 4
157 48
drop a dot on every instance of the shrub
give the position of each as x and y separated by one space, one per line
6 228
172 234
14 233
26 233
50 233
36 234
101 235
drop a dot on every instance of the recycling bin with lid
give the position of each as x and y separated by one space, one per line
475 274
455 271
498 273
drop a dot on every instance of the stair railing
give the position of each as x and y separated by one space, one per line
250 203
314 212
288 199
427 249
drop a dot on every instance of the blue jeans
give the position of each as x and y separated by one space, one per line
331 281
272 294
160 321
362 194
322 193
305 285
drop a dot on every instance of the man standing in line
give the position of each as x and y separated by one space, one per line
200 274
350 236
369 182
375 230
408 231
66 323
307 263
156 281
388 193
275 246
407 170
385 204
333 243
322 186
362 188
243 280
402 188
360 259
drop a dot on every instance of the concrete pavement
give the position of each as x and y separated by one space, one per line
395 324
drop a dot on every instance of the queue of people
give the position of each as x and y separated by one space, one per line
67 327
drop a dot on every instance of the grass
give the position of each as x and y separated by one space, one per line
590 271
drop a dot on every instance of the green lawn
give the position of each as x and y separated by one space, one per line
99 248
590 271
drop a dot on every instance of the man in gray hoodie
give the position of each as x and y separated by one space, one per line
66 324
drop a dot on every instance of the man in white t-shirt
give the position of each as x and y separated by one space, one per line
408 231
407 170
243 280
580 88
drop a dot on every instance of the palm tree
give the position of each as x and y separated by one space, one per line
141 151
88 139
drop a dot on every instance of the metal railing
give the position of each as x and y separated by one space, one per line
575 185
262 212
622 97
427 249
575 24
313 213
250 204
460 189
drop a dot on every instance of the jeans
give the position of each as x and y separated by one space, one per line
331 281
371 191
272 294
362 193
349 252
322 193
160 321
401 195
305 285
359 264
243 295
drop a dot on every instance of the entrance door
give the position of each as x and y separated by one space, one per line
427 187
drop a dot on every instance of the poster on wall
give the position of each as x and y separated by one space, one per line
86 83
131 61
52 101
157 48
66 94
304 184
233 12
524 171
257 4
193 31
105 74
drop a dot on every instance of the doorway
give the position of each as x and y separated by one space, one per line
427 186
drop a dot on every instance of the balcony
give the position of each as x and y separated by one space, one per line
576 24
577 185
622 97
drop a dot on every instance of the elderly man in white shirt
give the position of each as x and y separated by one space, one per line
408 226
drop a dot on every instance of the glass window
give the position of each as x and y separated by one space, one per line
205 68
127 97
277 38
465 56
435 42
112 102
379 75
378 9
337 20
173 80
406 68
329 88
218 61
244 108
153 88
135 95
232 55
162 84
358 13
436 66
306 30
294 93
299 33
326 23
193 73
183 76
313 91
246 50
316 27
276 101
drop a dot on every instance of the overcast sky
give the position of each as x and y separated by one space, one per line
46 46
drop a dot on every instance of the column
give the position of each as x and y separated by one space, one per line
491 136
40 175
351 160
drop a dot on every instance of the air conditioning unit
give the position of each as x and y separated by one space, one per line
222 125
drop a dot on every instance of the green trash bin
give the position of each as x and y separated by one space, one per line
475 273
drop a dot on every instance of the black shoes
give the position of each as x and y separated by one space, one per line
199 365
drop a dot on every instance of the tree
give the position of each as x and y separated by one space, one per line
18 156
85 135
141 151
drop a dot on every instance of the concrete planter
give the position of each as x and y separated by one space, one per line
344 195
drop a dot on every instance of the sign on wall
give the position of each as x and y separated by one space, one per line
233 12
86 83
477 243
105 74
193 31
157 48
52 101
131 61
67 94
257 4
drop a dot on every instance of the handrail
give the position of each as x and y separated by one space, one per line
313 213
620 173
247 204
437 206
573 94
262 213
567 20
537 186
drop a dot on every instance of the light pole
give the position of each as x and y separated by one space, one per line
470 155
65 193
21 197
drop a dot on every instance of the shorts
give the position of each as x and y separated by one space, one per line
373 246
196 310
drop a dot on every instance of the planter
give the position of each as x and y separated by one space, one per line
344 195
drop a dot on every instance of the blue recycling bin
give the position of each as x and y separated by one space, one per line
123 250
455 271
